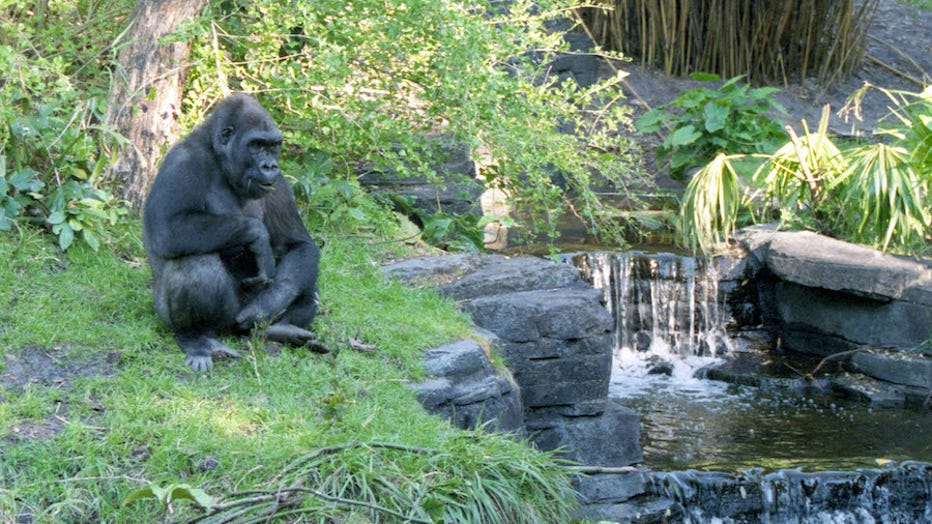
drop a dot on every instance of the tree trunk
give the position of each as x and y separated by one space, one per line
145 96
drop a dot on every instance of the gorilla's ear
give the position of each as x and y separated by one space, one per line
226 134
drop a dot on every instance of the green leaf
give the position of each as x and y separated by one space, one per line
57 217
65 237
185 491
715 117
684 136
356 213
705 77
91 239
650 121
149 492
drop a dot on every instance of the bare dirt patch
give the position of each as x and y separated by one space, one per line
54 368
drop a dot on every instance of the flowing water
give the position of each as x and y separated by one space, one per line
669 323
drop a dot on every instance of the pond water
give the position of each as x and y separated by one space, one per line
706 425
669 325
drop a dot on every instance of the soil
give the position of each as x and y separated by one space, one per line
52 368
899 39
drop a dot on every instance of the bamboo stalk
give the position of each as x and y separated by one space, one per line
769 41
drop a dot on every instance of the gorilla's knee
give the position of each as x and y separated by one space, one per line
196 291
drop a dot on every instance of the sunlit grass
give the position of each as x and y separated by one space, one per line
150 419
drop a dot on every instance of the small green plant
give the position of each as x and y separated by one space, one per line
168 494
451 232
704 122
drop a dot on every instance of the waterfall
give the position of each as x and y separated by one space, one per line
660 302
667 310
901 494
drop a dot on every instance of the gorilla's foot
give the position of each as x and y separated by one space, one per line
295 336
201 349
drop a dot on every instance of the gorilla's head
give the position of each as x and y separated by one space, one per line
246 143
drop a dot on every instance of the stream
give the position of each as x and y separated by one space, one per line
671 326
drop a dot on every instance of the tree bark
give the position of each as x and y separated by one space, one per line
145 96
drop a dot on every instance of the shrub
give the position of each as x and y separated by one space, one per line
365 82
53 143
705 122
877 193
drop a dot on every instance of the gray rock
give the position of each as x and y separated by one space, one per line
555 336
508 275
437 270
554 313
821 322
610 439
875 391
468 390
611 487
818 261
898 367
638 511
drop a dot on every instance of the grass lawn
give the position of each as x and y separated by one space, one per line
96 403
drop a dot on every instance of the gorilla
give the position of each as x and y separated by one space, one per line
227 247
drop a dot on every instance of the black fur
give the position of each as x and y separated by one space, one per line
223 236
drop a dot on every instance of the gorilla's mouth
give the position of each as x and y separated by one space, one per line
256 187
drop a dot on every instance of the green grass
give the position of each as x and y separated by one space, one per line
922 4
150 419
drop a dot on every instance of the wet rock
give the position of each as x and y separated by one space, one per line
609 439
897 494
642 341
659 366
641 510
601 488
865 388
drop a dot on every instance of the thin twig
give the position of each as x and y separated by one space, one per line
834 356
594 470
901 53
894 70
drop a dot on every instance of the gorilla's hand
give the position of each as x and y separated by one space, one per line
267 307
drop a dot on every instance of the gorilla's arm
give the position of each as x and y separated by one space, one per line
296 259
190 211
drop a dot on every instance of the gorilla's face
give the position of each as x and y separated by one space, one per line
248 145
259 158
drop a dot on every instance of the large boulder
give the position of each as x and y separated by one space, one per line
832 296
554 335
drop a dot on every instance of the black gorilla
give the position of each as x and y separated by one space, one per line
224 238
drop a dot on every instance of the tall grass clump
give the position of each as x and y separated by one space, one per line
771 42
